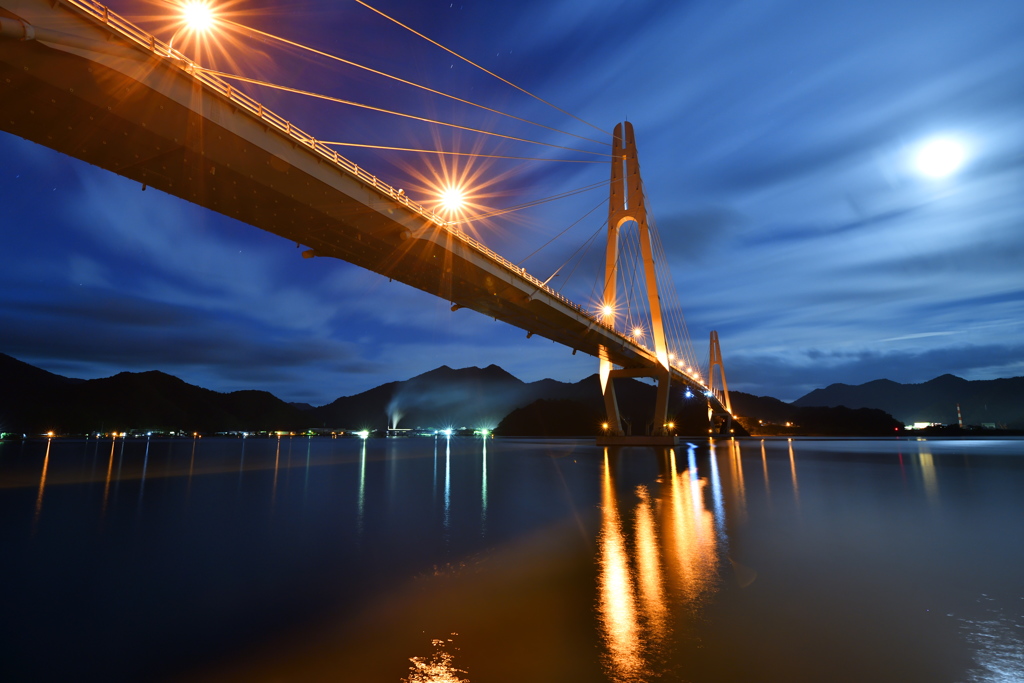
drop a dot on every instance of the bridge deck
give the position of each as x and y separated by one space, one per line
97 88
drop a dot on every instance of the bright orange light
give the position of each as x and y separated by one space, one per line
607 311
453 199
638 332
49 433
198 15
604 425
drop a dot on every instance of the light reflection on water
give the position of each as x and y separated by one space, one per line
42 484
438 667
998 639
671 565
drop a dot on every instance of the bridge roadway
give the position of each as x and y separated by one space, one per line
78 78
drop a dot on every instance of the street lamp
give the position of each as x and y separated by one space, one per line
197 17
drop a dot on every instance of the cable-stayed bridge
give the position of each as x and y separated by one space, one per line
80 79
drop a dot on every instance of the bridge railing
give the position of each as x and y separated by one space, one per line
150 43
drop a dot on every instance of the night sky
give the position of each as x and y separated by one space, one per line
778 143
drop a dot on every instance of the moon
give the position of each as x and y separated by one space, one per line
940 157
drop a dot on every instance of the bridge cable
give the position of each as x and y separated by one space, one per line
586 250
297 91
530 204
673 293
407 82
461 154
564 264
472 63
576 222
677 321
676 334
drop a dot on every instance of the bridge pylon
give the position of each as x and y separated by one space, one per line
715 358
626 203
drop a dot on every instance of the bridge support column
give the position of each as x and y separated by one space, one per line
611 401
715 357
660 434
626 203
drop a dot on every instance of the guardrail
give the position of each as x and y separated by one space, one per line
150 43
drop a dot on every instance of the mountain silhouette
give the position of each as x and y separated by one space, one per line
996 401
33 400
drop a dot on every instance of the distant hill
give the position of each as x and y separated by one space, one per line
468 397
761 407
33 400
997 401
552 417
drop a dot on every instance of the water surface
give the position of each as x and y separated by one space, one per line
304 559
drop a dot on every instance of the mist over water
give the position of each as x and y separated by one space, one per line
416 405
393 560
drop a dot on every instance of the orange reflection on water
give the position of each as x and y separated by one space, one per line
649 567
690 533
792 469
110 469
42 483
671 560
439 667
764 466
617 604
736 469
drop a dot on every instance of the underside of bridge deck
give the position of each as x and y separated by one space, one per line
83 90
142 118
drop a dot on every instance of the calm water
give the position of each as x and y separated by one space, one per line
507 560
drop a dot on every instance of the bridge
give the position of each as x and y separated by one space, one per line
77 77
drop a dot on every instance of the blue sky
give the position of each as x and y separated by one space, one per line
777 142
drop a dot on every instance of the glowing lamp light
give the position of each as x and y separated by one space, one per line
604 425
607 311
198 15
638 332
452 199
363 434
940 158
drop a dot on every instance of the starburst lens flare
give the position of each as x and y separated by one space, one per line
198 15
453 199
